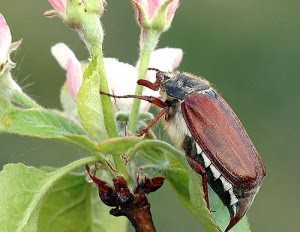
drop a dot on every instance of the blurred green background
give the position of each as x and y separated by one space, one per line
249 50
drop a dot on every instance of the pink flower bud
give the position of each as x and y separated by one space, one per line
157 14
75 12
60 9
68 61
5 41
59 5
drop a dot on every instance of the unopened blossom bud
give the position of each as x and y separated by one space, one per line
83 12
8 87
75 13
6 46
59 5
5 41
155 14
59 9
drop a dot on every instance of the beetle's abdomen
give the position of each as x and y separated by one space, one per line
236 200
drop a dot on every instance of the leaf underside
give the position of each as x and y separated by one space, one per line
89 103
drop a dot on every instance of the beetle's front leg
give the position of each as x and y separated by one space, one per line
153 100
198 168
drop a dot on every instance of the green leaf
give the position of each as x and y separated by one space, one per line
178 179
83 142
107 106
44 123
5 106
89 103
20 197
25 189
37 122
74 205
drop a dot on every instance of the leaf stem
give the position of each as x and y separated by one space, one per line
158 144
24 100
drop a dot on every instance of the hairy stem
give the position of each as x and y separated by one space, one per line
149 40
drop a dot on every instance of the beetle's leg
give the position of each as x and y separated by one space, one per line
154 120
152 100
154 86
93 177
198 168
106 193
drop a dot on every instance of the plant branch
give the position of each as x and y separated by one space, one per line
134 206
138 214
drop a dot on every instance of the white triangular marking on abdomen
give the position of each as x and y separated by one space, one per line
215 172
199 150
225 183
234 209
207 162
233 198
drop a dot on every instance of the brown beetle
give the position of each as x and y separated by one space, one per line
215 142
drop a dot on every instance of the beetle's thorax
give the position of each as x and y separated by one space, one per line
175 87
180 85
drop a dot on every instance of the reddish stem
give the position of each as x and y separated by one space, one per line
134 206
138 214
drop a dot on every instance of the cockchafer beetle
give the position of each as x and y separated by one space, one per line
215 142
